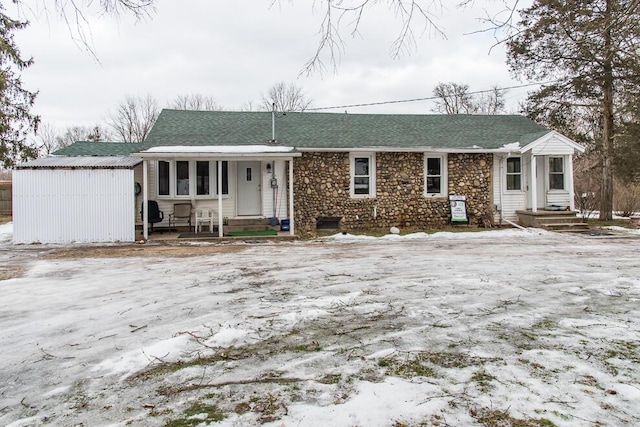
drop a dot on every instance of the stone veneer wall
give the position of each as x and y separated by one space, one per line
321 189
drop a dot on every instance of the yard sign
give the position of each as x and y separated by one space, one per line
458 209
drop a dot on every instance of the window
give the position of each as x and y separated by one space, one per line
363 175
556 173
514 173
184 178
435 175
225 178
163 178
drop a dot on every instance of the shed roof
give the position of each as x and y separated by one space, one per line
82 162
90 148
340 130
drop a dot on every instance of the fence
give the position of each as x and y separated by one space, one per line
5 198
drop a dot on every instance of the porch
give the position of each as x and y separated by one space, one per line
234 229
553 220
237 190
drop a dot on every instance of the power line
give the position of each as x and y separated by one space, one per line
429 98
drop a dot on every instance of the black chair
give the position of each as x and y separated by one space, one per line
154 214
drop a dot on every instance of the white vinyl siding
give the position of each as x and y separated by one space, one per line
189 179
509 201
552 146
165 203
278 195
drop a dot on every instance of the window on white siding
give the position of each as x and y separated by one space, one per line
190 178
163 178
182 178
556 173
435 175
363 175
203 178
514 174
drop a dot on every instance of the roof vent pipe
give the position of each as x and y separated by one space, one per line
273 123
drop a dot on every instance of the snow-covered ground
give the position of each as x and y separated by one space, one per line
449 329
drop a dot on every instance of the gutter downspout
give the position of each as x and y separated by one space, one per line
145 200
219 185
500 173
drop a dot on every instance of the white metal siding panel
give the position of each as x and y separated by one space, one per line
553 147
73 205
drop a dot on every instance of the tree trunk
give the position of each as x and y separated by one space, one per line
606 191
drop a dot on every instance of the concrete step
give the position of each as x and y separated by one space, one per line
559 219
229 228
566 226
248 222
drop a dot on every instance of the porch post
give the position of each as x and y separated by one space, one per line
572 202
291 221
533 185
219 185
145 199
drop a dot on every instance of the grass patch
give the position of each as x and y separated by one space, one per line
406 369
545 324
269 408
421 364
483 379
495 418
594 222
197 414
310 347
5 219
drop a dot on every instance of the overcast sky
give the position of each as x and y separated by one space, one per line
236 50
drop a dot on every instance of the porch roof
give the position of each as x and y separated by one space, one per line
220 151
306 130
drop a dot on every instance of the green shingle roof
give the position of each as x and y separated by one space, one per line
85 148
341 130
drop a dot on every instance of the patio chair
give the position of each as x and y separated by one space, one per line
154 214
204 216
182 214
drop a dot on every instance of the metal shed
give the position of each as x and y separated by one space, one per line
74 199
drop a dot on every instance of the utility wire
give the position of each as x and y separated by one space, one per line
429 98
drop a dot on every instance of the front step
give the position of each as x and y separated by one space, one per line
567 227
248 224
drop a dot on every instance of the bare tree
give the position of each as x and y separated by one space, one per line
134 118
195 101
48 139
74 14
285 98
455 98
415 18
490 101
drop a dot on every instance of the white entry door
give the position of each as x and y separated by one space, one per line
249 178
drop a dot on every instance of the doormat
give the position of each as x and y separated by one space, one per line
252 233
196 235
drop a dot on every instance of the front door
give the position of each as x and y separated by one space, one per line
249 178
